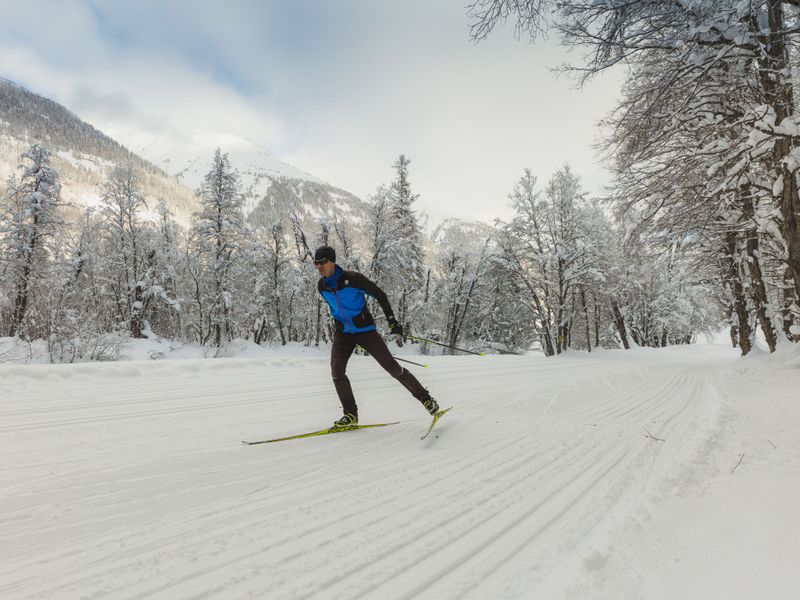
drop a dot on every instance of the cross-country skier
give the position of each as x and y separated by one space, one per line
344 292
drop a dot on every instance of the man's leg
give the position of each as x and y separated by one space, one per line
341 350
374 344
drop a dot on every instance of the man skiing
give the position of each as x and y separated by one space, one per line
344 292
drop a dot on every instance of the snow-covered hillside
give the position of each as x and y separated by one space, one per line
85 156
190 162
657 474
82 155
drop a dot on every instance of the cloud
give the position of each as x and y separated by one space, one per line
471 118
153 103
338 89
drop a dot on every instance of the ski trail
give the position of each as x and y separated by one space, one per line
591 458
147 493
340 540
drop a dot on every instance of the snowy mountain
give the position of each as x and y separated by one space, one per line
311 200
191 160
271 187
83 156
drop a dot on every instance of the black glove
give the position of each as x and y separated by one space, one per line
394 326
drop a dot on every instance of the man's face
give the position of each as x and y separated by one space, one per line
325 267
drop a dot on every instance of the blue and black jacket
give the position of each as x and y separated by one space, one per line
344 292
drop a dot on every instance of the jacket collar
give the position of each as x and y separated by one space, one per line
335 277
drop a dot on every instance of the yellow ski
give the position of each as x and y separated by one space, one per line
320 432
436 417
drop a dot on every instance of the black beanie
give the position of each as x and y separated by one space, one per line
325 252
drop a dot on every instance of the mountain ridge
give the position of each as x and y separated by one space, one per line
84 155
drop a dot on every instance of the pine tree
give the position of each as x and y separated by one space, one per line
217 233
406 246
31 221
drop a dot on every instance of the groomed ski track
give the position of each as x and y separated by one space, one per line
128 480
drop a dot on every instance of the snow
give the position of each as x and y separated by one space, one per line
92 163
549 478
192 161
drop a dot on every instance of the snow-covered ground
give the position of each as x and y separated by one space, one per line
657 474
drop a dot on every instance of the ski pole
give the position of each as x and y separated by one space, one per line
419 339
411 362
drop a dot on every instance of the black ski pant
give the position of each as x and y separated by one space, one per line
372 342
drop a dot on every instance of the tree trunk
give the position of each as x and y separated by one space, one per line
596 312
547 343
279 322
619 321
586 318
775 79
758 290
260 332
137 300
789 316
23 284
20 301
738 299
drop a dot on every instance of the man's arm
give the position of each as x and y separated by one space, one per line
370 287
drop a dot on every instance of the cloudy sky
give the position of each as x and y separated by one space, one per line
338 88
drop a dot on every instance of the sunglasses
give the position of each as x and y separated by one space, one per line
320 262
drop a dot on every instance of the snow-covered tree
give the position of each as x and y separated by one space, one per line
308 318
505 321
708 125
381 235
163 294
458 299
83 324
215 245
541 247
126 249
30 224
273 290
408 276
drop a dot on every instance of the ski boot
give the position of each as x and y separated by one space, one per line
347 420
431 406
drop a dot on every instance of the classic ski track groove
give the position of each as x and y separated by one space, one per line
412 466
250 398
487 561
517 481
534 480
